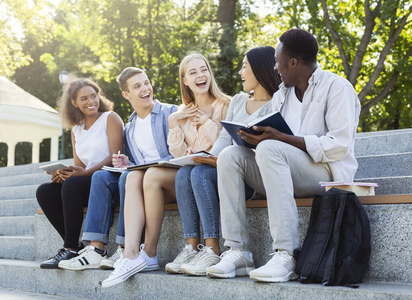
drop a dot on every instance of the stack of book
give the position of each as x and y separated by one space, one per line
359 188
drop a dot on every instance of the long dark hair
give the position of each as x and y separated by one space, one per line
262 62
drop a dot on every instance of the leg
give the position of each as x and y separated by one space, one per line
287 170
204 183
235 166
187 206
159 188
49 197
134 216
104 188
75 195
120 236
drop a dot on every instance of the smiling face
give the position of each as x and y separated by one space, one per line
139 92
87 101
197 76
249 80
283 64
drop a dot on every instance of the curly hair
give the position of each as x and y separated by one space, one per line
70 115
301 44
187 94
262 62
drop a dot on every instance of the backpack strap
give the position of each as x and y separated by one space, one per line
340 203
326 207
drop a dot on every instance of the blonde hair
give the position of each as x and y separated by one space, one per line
214 90
70 115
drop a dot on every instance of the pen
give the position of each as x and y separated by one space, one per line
118 154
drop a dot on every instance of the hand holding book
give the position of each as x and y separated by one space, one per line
267 127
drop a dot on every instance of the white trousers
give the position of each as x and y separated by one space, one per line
279 171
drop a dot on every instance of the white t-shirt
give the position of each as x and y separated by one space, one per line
144 140
92 145
292 113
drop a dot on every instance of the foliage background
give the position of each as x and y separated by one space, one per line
368 42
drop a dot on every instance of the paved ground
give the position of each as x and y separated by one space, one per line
11 294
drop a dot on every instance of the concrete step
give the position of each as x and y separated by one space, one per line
14 294
391 241
17 226
28 276
383 142
391 185
18 192
24 179
29 168
385 165
17 247
18 207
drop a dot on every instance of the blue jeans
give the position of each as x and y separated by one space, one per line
196 195
106 188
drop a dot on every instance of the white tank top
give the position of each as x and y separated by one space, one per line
92 145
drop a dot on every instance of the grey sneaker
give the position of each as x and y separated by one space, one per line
108 263
280 268
205 258
234 263
187 254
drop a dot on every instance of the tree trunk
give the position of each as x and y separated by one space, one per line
226 15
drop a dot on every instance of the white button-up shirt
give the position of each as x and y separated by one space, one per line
329 121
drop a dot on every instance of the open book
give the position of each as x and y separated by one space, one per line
173 163
274 120
52 168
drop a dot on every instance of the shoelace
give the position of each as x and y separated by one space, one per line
184 253
119 266
202 252
118 260
280 257
231 255
59 253
86 250
117 254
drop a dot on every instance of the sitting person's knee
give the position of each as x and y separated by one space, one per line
229 154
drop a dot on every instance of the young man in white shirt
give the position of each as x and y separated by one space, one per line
322 109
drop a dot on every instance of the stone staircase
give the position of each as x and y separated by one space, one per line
26 238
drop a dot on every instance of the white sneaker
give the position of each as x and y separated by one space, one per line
205 258
152 262
124 268
109 262
280 268
233 263
88 258
187 254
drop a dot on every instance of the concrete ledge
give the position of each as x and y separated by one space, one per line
391 239
160 285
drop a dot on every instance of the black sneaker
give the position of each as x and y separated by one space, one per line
53 262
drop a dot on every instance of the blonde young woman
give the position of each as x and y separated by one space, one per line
195 126
97 132
196 186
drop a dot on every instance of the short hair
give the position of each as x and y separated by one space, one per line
125 75
70 115
214 90
262 62
299 43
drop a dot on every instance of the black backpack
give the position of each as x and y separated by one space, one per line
337 246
